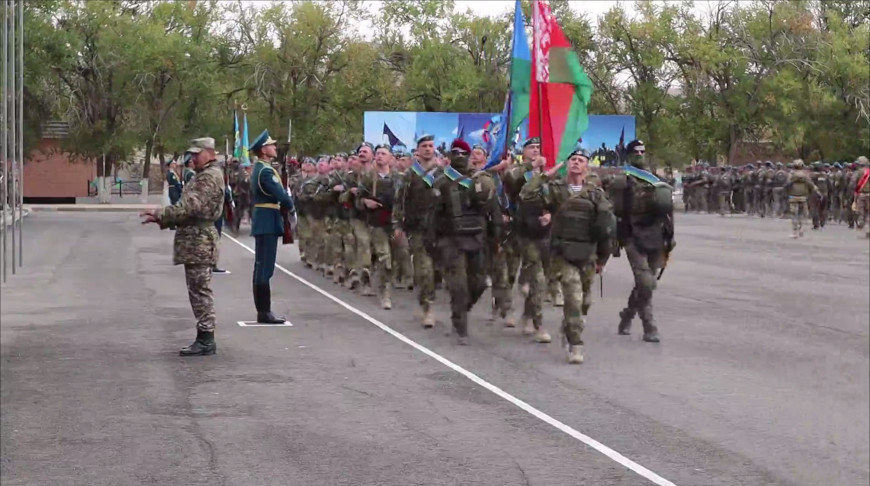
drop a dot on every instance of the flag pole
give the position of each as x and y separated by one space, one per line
535 38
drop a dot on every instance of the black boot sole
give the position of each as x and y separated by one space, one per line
205 352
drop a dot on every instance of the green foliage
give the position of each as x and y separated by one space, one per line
148 74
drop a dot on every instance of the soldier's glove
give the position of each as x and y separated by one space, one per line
670 244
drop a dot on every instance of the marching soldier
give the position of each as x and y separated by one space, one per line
860 188
821 198
582 225
377 189
197 243
410 218
403 274
464 208
644 206
268 195
799 189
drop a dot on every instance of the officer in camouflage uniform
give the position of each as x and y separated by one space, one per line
361 269
724 186
582 225
403 271
799 189
820 200
320 201
646 231
503 252
837 193
780 200
377 191
533 237
411 220
341 234
465 208
303 199
197 243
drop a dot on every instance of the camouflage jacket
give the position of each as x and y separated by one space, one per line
202 202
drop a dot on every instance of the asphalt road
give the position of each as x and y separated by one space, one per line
762 378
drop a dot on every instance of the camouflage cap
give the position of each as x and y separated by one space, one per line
197 145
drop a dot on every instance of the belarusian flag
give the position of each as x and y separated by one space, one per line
560 88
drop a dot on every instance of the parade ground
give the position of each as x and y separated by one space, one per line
762 376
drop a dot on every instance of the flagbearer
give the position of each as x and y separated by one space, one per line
267 225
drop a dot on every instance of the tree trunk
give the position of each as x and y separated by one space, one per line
146 170
164 170
733 144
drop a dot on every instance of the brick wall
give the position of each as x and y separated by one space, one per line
49 173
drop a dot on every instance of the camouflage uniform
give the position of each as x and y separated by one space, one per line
197 243
799 189
464 209
862 196
582 227
411 213
381 188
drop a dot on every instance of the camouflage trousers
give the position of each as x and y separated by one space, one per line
198 279
465 272
503 272
576 286
819 210
317 249
724 203
303 235
403 272
424 271
644 266
863 220
382 250
363 249
342 243
798 210
534 253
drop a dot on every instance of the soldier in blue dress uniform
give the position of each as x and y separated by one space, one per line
268 196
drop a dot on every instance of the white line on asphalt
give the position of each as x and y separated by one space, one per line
589 441
256 324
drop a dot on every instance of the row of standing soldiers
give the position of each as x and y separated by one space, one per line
383 218
761 189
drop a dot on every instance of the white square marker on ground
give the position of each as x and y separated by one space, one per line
257 324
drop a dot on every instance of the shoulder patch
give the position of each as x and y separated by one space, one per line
276 179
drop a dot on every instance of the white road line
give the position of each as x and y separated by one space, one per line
589 441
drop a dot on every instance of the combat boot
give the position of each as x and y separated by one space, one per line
542 336
263 302
575 354
625 318
527 325
338 275
428 318
650 332
352 281
204 345
367 290
330 271
509 321
386 303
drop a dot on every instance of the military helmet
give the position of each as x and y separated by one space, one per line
768 163
779 165
798 164
862 161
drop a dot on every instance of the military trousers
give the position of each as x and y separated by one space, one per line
576 287
344 244
331 248
465 272
316 252
363 250
424 271
303 236
863 219
382 251
724 202
534 252
403 272
502 284
798 210
198 279
644 266
265 253
819 210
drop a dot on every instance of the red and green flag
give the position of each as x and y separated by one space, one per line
560 88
